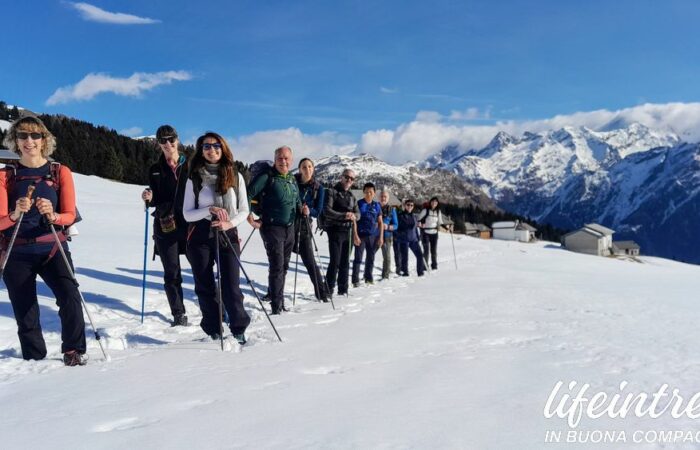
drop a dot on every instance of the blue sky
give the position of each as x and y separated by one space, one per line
338 74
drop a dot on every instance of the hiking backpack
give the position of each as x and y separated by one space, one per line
367 224
54 181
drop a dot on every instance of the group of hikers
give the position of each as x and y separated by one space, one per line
199 203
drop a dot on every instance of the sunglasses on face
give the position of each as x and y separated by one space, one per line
208 146
24 135
409 204
349 178
170 139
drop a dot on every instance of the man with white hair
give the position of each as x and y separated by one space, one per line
278 196
391 222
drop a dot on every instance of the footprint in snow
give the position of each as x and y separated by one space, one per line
324 370
128 423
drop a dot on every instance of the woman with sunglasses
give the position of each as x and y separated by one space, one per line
35 250
407 236
165 192
216 202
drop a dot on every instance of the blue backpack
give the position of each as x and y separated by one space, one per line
369 213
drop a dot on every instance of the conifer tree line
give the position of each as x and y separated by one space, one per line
101 151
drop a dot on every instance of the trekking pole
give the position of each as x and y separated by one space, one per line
296 266
248 240
219 297
145 260
454 252
320 263
77 287
30 192
250 283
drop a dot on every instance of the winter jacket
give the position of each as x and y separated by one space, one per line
199 214
408 227
431 220
311 194
338 202
391 221
278 195
168 187
368 224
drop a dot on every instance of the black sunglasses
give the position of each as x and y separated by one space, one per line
170 139
349 178
24 135
208 146
409 204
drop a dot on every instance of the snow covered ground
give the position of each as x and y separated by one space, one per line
457 359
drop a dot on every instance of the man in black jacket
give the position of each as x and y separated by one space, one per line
166 181
340 216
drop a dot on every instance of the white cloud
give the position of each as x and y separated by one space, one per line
262 144
131 132
386 90
98 83
94 14
431 131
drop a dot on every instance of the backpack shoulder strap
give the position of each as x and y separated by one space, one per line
196 187
55 171
10 173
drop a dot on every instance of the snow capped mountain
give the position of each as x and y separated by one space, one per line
635 180
404 181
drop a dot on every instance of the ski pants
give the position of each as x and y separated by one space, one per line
202 256
386 256
279 241
339 264
306 251
415 248
397 255
368 243
20 278
430 247
169 252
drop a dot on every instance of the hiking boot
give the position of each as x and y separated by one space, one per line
215 336
74 358
266 298
179 321
240 338
356 285
370 282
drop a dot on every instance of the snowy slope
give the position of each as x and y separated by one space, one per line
458 359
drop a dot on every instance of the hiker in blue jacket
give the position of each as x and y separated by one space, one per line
407 236
312 195
391 223
370 229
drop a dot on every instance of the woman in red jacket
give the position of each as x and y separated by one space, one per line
35 251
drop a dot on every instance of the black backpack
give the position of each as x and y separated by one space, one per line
258 169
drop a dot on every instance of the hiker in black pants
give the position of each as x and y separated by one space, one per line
35 251
277 195
407 235
216 199
312 195
370 229
340 215
429 221
166 182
